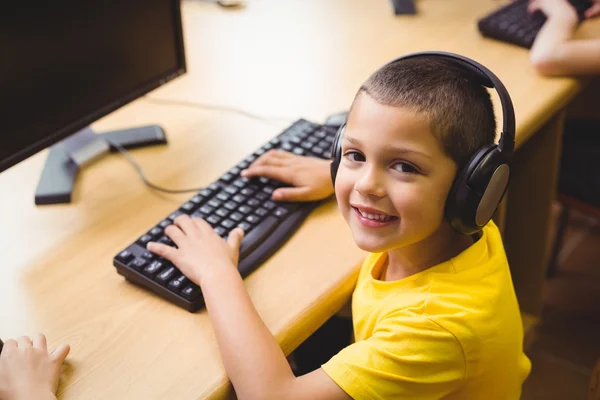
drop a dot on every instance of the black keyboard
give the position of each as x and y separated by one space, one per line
230 201
513 24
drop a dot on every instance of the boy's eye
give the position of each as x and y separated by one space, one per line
354 156
405 168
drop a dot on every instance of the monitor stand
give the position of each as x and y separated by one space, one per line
69 155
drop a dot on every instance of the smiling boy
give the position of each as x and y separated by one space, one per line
434 310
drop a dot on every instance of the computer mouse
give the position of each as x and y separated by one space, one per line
336 120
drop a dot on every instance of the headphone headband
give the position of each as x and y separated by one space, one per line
488 79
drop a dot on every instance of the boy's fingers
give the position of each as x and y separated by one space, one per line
293 194
235 239
9 344
280 173
162 250
593 11
185 223
202 225
24 341
39 341
60 353
175 233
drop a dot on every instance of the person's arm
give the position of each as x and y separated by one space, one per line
28 370
554 52
254 362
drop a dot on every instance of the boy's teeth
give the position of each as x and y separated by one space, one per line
376 217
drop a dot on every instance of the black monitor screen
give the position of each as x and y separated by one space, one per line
64 64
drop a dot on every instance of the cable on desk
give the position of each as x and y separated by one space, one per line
138 168
204 106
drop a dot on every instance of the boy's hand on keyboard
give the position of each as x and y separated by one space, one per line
310 176
554 9
199 248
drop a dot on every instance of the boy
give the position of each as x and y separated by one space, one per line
435 314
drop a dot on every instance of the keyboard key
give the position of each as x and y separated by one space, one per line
139 264
206 209
163 224
245 226
269 205
191 292
153 269
125 256
227 223
239 198
175 215
165 276
189 206
252 203
148 255
227 177
177 283
281 212
213 220
215 203
236 216
220 230
144 240
197 199
222 212
206 192
247 191
298 151
253 219
156 231
166 240
223 196
245 209
231 205
261 212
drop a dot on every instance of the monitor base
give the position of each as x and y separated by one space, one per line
69 155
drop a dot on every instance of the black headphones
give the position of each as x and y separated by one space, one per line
478 187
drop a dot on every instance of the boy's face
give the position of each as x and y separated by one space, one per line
393 178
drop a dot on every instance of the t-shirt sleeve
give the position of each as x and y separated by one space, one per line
405 358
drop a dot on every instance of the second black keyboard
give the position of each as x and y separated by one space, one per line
231 201
513 24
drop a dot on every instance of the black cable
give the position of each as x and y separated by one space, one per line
203 106
138 168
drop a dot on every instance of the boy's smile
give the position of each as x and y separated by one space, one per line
393 179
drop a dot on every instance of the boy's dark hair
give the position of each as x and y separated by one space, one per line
459 109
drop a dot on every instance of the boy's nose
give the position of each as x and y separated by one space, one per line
370 183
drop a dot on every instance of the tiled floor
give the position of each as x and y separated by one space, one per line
567 341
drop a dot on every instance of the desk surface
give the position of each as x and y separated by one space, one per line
290 59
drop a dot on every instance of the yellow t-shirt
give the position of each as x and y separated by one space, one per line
453 331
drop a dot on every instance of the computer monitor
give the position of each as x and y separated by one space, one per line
66 64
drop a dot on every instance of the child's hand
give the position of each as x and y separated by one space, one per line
594 10
199 249
553 9
28 371
310 176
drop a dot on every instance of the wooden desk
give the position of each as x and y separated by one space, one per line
292 58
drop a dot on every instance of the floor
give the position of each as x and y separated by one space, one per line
566 344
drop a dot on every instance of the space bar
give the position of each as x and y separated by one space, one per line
258 235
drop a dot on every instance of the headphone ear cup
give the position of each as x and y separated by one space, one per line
477 190
336 152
